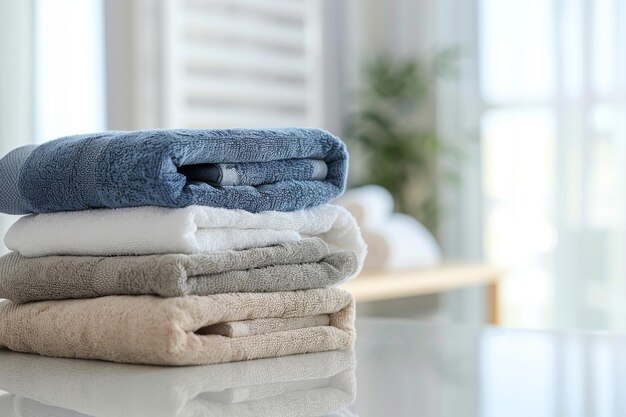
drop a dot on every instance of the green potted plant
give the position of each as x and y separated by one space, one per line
400 148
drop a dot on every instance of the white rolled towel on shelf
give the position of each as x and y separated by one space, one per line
371 205
394 240
401 243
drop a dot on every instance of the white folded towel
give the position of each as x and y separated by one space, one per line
193 229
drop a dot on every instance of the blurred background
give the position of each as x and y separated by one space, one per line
493 131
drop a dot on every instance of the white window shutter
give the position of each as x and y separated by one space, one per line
241 63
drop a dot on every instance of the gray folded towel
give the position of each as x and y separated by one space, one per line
7 406
298 265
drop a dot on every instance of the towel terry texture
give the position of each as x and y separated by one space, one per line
172 331
195 229
303 264
147 168
303 385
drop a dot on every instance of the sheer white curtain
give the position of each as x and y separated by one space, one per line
458 113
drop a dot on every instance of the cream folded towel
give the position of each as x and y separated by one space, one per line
190 230
306 385
176 331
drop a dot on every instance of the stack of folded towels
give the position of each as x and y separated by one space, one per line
178 247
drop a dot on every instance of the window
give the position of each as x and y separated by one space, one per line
552 81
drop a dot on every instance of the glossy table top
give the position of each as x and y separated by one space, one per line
402 368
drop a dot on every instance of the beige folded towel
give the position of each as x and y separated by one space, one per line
305 385
176 331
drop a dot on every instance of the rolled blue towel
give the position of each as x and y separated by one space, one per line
256 170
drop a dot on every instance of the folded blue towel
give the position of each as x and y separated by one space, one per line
274 169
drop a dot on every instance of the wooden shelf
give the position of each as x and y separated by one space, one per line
399 284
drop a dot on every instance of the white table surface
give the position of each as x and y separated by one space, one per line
404 368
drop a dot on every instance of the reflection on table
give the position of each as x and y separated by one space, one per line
404 368
314 384
434 370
